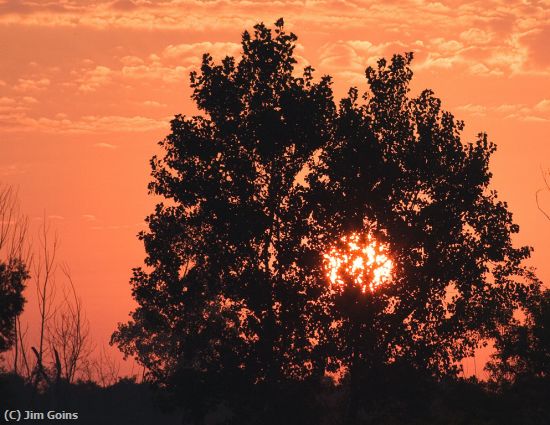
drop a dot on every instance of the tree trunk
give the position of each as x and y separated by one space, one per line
353 405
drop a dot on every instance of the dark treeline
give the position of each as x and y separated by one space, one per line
398 395
262 299
125 402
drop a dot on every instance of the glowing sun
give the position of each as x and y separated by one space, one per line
361 261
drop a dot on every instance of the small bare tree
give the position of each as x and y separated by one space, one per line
63 347
44 276
106 369
69 333
64 344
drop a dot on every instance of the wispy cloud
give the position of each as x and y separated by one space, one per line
154 104
31 85
89 217
90 80
105 145
17 122
538 112
13 169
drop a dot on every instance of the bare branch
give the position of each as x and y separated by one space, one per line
69 335
45 279
538 204
22 346
545 189
40 367
107 369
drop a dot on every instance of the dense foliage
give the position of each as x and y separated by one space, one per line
523 347
397 167
218 296
13 274
234 307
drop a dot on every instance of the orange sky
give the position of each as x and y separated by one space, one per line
87 88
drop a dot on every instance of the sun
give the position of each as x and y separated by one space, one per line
358 260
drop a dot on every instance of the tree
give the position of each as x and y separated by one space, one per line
64 345
62 349
12 277
13 269
398 170
69 333
216 298
523 349
44 278
271 178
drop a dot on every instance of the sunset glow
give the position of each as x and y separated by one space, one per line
361 261
87 88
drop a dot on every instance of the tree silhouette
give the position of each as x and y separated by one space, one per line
13 270
258 189
523 349
398 169
12 277
217 297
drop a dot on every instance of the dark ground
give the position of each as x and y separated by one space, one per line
394 400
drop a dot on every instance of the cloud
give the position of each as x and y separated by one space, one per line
14 104
18 122
168 39
171 65
536 42
471 109
13 169
543 106
340 55
355 55
443 46
511 31
539 112
124 5
174 63
25 85
437 61
482 70
186 50
131 60
155 71
104 145
477 36
89 217
7 101
532 118
154 104
94 78
29 99
436 53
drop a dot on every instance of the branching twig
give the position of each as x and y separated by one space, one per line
547 189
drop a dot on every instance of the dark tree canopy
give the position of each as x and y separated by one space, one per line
13 270
397 167
218 297
13 274
523 349
271 175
